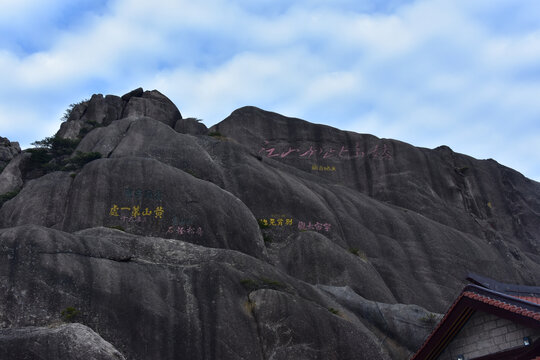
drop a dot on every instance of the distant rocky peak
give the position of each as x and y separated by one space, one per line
103 110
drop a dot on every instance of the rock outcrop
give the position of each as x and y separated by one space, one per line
10 159
102 111
263 237
8 150
67 341
190 126
156 298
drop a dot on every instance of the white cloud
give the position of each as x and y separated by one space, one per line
427 72
16 12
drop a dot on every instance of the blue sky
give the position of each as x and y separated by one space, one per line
460 73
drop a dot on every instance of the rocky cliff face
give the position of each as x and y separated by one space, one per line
263 237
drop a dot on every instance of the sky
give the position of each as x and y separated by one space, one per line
460 73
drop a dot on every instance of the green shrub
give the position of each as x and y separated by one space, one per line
8 196
215 134
192 173
69 110
429 318
83 132
333 311
193 118
267 239
262 225
69 314
362 255
51 155
81 159
117 227
263 283
273 284
249 284
88 126
39 156
94 123
57 145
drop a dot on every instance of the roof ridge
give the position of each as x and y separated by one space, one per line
503 287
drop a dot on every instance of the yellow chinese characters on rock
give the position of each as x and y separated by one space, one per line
135 211
316 167
275 222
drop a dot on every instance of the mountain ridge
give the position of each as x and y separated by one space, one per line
298 232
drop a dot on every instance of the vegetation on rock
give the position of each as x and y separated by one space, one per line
8 196
70 314
70 108
54 154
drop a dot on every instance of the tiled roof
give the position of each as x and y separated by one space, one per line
530 293
474 298
503 305
532 299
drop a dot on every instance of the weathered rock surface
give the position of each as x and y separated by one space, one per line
67 341
449 205
42 201
156 298
272 238
10 158
407 325
8 150
11 178
102 111
286 323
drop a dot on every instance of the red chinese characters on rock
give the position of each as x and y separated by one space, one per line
315 226
303 226
328 152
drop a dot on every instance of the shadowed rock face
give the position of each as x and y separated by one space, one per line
272 238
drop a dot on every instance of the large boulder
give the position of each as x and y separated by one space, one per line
155 298
65 341
41 201
142 196
155 105
11 178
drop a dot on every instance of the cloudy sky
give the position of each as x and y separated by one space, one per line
463 73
